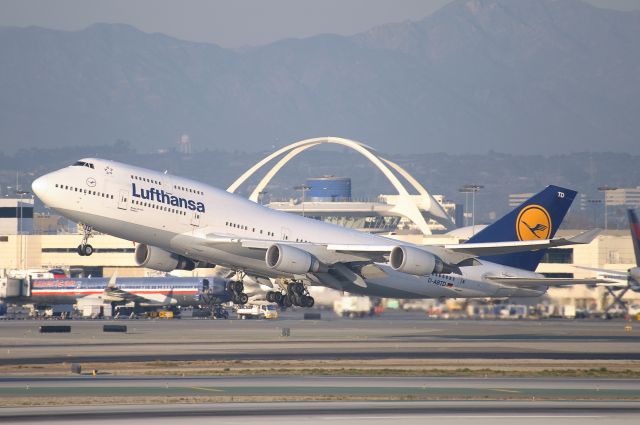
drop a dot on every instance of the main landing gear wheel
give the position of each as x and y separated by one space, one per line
307 301
296 294
274 297
243 298
85 250
235 289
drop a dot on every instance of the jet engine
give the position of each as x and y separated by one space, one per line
410 260
161 260
288 259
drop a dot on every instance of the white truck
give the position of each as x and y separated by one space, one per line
353 307
257 310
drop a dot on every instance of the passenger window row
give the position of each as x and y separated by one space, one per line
159 207
242 227
186 189
144 179
88 192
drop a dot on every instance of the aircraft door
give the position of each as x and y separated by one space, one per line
123 199
195 218
286 233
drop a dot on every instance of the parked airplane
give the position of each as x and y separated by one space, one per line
140 291
179 222
621 282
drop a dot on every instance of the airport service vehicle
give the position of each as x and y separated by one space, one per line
353 306
616 282
180 223
257 310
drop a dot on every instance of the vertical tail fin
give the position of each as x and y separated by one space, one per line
635 233
539 217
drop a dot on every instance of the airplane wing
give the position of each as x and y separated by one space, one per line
613 274
452 254
114 294
119 295
548 281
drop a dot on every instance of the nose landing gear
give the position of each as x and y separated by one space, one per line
84 249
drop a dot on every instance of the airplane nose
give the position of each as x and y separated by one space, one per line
40 186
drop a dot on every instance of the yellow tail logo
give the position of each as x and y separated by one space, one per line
533 223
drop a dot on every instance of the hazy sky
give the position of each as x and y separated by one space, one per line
231 23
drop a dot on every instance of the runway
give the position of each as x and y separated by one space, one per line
433 387
444 412
192 340
248 355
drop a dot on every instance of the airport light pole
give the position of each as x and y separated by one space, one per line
604 189
23 240
472 188
595 202
302 188
466 202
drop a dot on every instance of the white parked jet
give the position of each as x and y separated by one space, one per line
179 222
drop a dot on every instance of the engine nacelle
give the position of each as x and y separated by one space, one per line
410 260
288 259
161 260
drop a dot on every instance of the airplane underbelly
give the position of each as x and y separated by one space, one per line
394 284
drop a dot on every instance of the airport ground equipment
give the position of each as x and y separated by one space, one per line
353 306
258 310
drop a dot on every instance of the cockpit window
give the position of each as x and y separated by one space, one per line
82 164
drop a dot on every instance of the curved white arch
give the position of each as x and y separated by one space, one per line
406 204
274 170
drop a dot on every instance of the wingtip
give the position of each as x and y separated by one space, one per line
585 237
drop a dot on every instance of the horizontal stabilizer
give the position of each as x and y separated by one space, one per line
547 281
617 273
496 248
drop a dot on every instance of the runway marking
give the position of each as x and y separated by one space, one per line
479 416
503 390
207 389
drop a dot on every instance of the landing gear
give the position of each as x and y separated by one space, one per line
235 288
296 295
84 249
617 300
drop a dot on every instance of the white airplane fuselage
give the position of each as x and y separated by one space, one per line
176 214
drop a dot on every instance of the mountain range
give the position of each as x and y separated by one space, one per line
526 76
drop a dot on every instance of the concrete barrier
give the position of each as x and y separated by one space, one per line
44 329
114 328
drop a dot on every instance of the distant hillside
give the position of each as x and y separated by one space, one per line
526 76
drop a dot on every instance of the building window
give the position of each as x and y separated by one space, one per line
559 275
558 256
